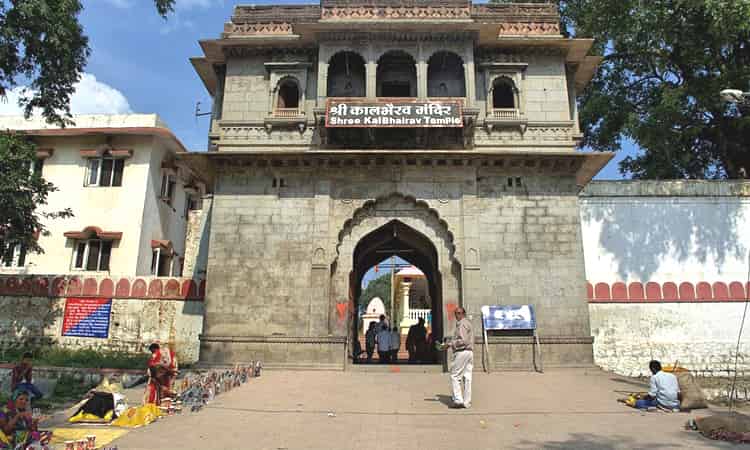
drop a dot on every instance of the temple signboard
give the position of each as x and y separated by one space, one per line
393 113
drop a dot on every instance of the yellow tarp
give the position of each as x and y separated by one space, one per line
103 435
83 417
138 416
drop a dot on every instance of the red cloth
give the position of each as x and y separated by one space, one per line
163 371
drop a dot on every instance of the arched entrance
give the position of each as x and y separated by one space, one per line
396 239
394 225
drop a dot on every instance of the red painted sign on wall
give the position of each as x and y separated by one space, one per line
87 317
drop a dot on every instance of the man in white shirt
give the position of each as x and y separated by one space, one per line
664 391
463 360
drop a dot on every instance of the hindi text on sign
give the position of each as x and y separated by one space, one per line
390 113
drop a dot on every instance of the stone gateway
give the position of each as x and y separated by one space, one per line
487 210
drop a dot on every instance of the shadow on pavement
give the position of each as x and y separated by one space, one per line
442 398
641 384
586 441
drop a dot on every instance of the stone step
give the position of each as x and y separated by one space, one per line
395 368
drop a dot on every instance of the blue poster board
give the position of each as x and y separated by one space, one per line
508 317
87 317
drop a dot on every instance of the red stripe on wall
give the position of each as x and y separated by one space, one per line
666 292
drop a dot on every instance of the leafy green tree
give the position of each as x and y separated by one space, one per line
665 62
43 47
23 195
378 287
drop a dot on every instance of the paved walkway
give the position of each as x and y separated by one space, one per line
563 409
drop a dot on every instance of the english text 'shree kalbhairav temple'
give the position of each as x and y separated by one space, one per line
443 132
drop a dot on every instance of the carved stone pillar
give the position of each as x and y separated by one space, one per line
422 79
322 83
371 74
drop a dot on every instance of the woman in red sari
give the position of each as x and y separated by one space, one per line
162 369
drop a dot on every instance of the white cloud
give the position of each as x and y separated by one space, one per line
91 96
123 4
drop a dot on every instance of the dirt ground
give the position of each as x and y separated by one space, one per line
560 409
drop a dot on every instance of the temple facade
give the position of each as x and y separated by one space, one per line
443 132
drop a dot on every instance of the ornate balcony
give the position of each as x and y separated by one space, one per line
505 117
286 117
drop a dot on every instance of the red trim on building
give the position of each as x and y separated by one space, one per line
89 153
90 231
164 244
667 292
121 153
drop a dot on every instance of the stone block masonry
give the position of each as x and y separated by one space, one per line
155 309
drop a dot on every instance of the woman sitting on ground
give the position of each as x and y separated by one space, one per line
16 423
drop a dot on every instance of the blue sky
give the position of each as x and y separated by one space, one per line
140 63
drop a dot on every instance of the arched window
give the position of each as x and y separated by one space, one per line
346 75
503 94
397 75
288 97
445 75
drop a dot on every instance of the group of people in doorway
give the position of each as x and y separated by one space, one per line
386 340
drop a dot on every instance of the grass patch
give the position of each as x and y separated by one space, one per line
69 389
83 358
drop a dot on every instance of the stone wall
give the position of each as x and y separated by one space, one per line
196 240
33 317
667 267
282 253
700 336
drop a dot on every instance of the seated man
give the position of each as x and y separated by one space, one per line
664 390
21 377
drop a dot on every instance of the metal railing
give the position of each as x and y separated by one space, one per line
416 314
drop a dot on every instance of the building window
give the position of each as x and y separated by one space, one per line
161 263
346 75
92 255
168 183
503 94
38 166
396 75
288 95
12 255
105 171
445 75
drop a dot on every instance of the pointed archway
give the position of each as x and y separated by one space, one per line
397 239
369 234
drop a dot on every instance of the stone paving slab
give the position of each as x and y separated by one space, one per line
561 409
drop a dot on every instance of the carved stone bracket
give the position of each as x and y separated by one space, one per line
528 28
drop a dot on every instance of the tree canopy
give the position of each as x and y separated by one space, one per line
23 195
378 287
665 62
43 48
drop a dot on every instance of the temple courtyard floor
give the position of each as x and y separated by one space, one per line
560 409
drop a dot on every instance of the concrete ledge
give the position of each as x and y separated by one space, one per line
561 351
667 188
276 339
276 352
